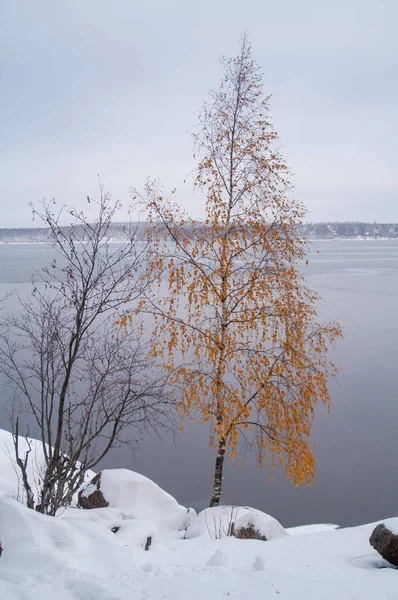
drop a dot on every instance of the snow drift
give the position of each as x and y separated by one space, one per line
100 554
134 494
76 556
215 523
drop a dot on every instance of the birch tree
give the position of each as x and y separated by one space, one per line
254 356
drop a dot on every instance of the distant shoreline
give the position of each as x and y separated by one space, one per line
309 239
321 231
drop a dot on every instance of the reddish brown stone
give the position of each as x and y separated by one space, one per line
95 499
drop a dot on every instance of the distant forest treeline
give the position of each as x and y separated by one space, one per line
329 230
350 229
117 231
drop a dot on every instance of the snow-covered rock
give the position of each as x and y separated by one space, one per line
137 497
216 523
90 496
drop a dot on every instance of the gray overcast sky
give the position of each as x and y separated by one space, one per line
112 87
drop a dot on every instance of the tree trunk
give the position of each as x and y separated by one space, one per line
218 469
30 500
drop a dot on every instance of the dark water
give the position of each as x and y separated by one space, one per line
357 443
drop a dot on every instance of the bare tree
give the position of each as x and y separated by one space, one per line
83 386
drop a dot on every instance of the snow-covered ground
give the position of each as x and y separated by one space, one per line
76 555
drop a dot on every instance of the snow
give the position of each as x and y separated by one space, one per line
76 555
394 527
303 529
10 480
214 523
136 495
10 476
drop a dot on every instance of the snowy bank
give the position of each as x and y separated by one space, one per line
77 556
103 554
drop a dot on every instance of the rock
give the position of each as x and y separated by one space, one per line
386 543
91 496
249 533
